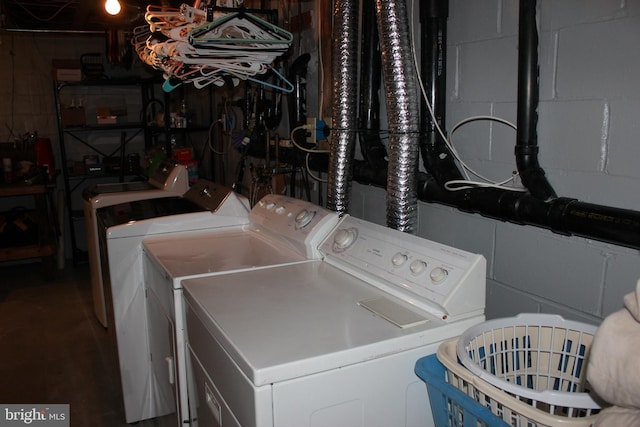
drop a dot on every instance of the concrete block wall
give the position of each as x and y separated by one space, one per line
28 98
588 135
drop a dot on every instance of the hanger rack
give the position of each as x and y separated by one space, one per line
212 45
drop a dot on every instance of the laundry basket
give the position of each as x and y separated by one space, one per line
449 405
539 359
510 409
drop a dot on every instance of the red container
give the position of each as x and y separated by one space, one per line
44 155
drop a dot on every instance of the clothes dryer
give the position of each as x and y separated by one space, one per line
330 342
169 179
206 206
281 230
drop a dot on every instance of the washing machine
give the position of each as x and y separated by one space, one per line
122 227
281 231
330 342
169 179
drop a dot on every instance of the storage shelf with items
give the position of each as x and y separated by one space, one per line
179 123
28 227
103 135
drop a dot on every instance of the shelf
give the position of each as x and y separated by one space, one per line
24 252
21 189
41 220
104 175
124 81
84 136
97 128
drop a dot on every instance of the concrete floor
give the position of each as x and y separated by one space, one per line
52 348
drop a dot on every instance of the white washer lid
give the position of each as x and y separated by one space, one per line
289 321
217 251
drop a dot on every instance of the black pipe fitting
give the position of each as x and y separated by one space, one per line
532 175
566 216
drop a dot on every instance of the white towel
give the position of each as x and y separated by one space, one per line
632 302
614 364
616 416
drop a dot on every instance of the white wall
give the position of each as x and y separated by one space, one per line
588 136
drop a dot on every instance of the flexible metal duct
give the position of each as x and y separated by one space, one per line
401 90
344 71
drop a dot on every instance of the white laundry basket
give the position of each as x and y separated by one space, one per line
540 359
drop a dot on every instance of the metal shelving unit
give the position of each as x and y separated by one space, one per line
68 135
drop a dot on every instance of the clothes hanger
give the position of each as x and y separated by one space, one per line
237 46
261 31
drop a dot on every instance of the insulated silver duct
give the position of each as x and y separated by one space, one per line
403 103
344 71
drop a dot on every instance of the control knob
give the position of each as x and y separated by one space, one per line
304 217
398 259
418 267
438 274
344 238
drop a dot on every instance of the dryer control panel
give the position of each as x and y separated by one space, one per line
298 223
436 278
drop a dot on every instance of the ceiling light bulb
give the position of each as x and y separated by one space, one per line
112 7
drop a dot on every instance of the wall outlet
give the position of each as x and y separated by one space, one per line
312 131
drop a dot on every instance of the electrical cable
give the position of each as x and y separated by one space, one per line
300 147
449 141
210 139
488 182
309 151
50 18
310 173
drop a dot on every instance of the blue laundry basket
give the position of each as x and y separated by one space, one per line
450 406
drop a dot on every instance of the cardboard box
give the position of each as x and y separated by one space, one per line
67 70
73 117
107 120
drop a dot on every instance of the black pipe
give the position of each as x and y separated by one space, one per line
433 24
373 169
526 150
561 215
540 206
437 157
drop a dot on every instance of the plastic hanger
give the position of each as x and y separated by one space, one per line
260 31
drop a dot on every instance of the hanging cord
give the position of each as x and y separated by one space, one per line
466 169
309 151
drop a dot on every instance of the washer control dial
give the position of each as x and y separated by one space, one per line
438 274
304 217
418 267
344 238
398 259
